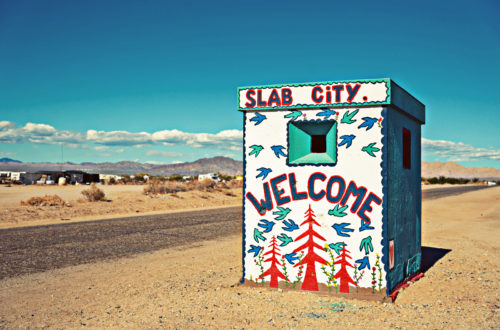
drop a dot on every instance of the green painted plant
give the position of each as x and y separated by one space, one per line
330 275
357 276
377 264
374 279
301 270
287 279
259 262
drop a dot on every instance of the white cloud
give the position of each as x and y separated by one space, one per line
108 149
154 162
163 153
9 134
66 137
171 137
453 151
38 133
118 138
39 129
4 153
227 139
6 125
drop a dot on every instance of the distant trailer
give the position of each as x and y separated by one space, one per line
210 176
4 177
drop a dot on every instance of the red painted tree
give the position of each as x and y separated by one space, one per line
273 271
311 258
342 274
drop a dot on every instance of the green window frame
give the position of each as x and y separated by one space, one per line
312 142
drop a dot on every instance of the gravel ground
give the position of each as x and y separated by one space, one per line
196 286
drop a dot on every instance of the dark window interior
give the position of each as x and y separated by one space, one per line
406 148
318 143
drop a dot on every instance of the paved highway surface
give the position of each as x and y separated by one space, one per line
35 249
449 191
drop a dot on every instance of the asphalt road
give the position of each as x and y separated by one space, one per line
36 249
449 191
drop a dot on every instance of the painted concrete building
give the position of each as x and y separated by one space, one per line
332 194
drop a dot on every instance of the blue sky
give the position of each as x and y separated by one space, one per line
155 81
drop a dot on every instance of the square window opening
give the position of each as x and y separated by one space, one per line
406 148
312 142
318 143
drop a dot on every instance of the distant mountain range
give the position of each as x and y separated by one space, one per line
205 165
9 160
224 165
454 170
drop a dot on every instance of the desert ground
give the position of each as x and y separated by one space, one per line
121 200
197 286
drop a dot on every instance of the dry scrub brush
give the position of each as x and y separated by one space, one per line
47 200
156 186
164 187
205 185
94 194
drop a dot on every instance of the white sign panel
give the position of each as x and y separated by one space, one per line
362 92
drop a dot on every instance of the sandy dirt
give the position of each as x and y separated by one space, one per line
122 200
196 286
12 195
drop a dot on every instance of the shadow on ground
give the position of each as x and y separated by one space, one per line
430 256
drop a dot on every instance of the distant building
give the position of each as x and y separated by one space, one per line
4 176
52 177
210 176
30 178
49 177
17 176
7 176
81 177
109 177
